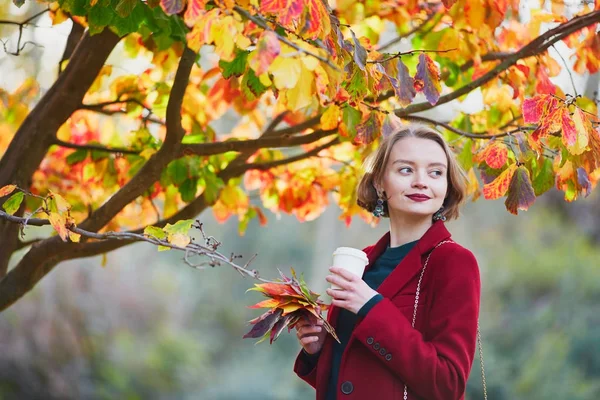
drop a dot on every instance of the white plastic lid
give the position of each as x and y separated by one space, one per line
353 252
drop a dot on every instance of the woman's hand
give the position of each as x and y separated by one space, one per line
355 292
311 335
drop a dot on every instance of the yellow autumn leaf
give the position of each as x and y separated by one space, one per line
62 205
58 223
179 239
330 118
74 237
582 127
302 95
286 72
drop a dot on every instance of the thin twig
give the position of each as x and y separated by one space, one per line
21 26
568 70
407 53
471 135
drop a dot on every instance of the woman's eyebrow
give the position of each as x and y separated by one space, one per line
434 164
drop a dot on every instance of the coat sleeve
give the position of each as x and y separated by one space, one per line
439 367
306 367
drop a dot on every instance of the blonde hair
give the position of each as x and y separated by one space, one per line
376 163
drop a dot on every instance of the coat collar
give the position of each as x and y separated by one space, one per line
411 264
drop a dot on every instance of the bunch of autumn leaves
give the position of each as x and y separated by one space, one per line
289 302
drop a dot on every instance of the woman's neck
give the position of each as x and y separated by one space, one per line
406 230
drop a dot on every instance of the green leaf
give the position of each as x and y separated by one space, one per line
465 157
99 17
188 190
125 7
357 85
178 171
351 117
13 203
18 3
99 155
235 67
77 7
125 26
181 227
155 231
544 179
77 156
252 86
212 186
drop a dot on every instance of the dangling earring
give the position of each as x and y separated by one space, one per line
439 216
378 212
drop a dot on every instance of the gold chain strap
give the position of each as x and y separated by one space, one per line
415 318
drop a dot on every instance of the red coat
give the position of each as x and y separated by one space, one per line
384 351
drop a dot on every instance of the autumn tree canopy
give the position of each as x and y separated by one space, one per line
108 158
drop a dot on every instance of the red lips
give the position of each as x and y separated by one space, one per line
418 197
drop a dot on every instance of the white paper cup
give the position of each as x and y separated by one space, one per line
350 259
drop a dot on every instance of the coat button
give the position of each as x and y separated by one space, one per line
347 387
382 351
376 346
370 340
388 357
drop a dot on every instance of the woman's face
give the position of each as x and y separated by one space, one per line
415 179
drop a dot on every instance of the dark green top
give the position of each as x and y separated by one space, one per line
346 320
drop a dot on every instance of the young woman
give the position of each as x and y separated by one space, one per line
395 345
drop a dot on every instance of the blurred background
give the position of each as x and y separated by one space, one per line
140 324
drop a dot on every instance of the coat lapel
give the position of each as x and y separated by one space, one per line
408 267
412 263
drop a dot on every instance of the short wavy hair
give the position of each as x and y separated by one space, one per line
376 163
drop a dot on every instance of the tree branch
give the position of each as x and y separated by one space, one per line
206 149
151 171
472 135
100 108
538 45
75 36
35 135
95 147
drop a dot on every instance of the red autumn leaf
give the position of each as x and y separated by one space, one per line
194 10
538 106
569 133
498 187
264 325
520 192
278 327
429 74
495 155
6 190
543 85
267 49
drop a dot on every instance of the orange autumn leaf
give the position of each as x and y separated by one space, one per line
498 187
6 190
495 155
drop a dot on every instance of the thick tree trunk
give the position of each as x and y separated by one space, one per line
31 142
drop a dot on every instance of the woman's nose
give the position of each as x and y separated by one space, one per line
419 181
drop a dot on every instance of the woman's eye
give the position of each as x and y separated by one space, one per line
437 173
404 170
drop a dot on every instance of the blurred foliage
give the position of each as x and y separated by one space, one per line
147 327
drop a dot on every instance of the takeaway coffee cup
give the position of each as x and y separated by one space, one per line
350 259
